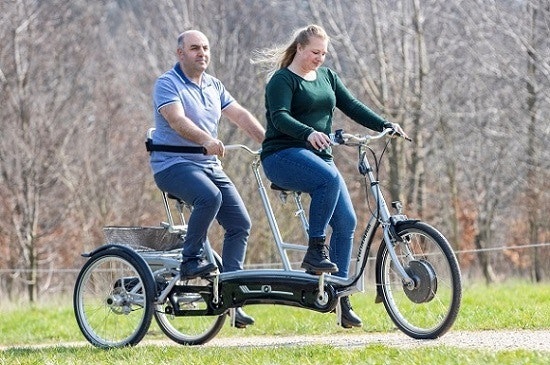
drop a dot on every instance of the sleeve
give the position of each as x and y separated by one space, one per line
279 92
164 93
225 97
354 108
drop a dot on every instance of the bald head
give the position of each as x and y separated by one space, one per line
191 34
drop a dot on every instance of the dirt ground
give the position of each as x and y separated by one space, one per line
483 340
487 340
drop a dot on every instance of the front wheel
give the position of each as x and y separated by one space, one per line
429 308
113 298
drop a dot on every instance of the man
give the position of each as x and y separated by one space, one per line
188 106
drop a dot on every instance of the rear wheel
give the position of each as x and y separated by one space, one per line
113 298
428 309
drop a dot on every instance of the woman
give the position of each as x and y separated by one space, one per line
300 100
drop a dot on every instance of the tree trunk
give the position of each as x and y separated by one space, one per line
484 262
532 206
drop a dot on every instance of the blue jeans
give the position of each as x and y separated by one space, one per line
302 170
213 196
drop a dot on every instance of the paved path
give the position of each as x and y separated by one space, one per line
491 340
484 340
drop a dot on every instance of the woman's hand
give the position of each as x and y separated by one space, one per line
398 130
319 140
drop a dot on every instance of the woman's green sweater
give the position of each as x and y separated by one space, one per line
296 107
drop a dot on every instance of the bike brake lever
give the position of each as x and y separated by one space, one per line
397 134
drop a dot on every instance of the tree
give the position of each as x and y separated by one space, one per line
38 98
533 36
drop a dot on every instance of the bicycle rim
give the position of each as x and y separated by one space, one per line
111 303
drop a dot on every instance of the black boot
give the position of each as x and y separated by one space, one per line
349 318
242 319
316 259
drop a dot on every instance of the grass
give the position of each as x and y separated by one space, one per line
505 306
317 354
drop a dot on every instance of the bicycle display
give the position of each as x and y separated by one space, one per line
135 275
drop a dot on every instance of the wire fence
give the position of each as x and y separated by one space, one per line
504 261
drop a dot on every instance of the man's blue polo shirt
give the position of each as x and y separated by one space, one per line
202 104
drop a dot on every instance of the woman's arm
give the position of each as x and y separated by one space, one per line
355 109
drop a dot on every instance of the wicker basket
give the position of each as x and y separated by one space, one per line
156 238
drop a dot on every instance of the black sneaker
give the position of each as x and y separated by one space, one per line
242 319
196 267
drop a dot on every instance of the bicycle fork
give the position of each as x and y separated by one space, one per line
386 219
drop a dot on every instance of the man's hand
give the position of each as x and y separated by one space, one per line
214 147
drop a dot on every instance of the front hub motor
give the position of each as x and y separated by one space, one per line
425 282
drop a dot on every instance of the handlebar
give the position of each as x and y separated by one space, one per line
342 138
242 146
339 137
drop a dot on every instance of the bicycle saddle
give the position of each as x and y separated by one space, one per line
170 196
273 186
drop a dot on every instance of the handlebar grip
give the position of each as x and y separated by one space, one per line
337 137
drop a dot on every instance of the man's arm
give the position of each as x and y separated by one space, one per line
175 115
245 120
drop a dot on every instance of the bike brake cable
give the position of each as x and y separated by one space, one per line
377 162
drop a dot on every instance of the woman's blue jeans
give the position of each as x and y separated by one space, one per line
213 196
302 170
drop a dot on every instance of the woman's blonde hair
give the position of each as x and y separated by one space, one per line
276 58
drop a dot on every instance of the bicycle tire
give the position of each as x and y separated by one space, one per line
430 309
113 298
